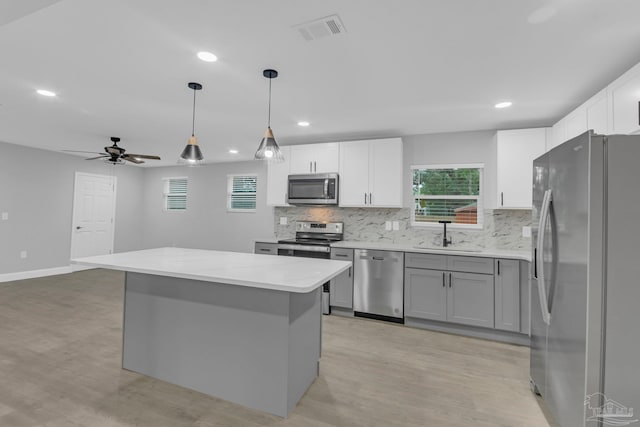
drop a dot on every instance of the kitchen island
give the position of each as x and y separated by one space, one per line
242 327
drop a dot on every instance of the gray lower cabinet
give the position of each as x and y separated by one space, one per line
341 287
451 296
266 248
507 298
425 294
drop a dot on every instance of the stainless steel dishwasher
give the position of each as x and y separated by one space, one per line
378 289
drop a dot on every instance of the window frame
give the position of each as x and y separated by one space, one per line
479 198
165 193
230 179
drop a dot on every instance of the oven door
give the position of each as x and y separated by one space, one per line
305 251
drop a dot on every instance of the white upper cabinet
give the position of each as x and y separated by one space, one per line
597 118
371 173
516 151
277 174
624 102
315 158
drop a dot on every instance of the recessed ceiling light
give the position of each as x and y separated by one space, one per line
232 151
303 124
44 92
504 104
207 56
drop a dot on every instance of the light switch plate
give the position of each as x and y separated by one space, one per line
526 231
5 216
396 226
283 220
387 225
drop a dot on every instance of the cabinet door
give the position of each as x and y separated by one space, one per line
266 248
354 173
385 173
315 158
624 102
341 287
597 113
425 294
470 299
507 294
516 151
277 174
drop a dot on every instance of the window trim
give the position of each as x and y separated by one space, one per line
165 194
480 197
230 193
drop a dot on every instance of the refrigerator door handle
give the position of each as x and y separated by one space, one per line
542 291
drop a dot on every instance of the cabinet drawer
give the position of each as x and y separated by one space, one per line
469 264
266 248
420 260
342 254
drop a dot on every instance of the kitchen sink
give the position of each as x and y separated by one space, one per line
440 248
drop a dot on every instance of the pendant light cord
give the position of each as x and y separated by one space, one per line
269 116
193 121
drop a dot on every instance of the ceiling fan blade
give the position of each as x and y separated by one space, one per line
142 156
86 152
133 160
98 157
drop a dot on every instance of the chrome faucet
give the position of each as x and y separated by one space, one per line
445 242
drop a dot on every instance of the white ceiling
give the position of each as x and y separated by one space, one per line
403 67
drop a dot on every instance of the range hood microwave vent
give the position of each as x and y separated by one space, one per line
320 28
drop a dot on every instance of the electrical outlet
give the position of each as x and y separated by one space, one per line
5 216
387 225
23 254
283 220
396 226
526 231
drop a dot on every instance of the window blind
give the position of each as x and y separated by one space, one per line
175 194
447 193
242 193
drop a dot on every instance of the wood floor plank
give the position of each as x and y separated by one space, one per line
60 355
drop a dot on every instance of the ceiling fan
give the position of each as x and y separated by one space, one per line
117 155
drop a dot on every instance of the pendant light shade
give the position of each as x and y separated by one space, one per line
268 149
192 155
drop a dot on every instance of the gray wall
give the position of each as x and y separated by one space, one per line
447 148
36 189
205 224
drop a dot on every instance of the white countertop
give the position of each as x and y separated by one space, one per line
484 252
289 274
453 250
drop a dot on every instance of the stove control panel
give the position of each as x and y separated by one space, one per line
319 227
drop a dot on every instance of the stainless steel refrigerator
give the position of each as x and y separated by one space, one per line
585 289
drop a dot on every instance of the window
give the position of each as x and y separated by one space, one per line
447 192
241 193
175 194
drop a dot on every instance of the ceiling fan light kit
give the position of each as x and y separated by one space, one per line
268 149
116 155
192 155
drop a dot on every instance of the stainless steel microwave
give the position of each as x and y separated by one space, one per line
313 189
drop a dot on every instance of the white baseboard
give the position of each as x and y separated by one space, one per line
21 275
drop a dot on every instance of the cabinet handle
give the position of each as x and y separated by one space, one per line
501 198
314 167
443 280
365 198
498 267
450 280
341 255
349 271
265 250
370 198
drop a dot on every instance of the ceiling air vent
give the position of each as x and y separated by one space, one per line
320 28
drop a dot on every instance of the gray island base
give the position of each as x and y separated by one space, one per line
245 328
256 347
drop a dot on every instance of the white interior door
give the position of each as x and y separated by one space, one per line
94 207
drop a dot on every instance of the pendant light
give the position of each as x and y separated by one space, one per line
191 155
268 149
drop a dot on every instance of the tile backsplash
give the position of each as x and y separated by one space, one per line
502 228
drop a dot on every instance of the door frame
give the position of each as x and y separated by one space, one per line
114 181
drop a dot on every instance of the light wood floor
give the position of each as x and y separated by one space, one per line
60 348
